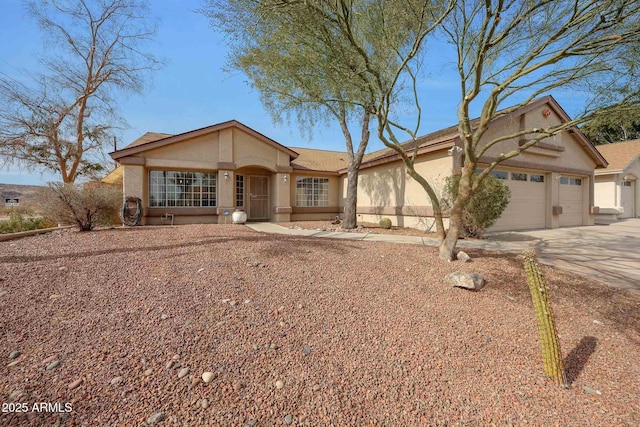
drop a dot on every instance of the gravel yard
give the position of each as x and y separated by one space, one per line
297 331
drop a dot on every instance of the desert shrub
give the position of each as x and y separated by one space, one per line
83 205
484 207
385 223
17 223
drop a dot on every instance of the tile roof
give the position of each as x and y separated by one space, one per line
319 160
619 154
148 137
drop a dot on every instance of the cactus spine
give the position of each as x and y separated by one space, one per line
551 354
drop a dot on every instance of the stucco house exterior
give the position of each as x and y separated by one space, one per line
616 187
205 174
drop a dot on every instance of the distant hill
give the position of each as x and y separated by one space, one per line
26 195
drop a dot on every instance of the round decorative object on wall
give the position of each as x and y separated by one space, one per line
239 217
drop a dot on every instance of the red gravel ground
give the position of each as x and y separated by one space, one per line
359 333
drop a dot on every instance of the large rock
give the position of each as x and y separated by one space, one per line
461 279
463 256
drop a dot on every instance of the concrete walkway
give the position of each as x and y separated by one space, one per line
609 254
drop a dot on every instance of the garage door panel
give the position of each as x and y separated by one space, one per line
526 208
572 206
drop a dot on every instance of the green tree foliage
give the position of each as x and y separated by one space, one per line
614 127
84 205
60 120
484 207
17 222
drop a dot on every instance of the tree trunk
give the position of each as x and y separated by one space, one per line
448 245
351 202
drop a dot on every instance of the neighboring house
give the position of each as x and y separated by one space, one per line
616 189
204 174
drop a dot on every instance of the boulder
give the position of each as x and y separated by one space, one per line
463 256
461 279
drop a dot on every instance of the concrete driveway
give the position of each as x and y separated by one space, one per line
607 253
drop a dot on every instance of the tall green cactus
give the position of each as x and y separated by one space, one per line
551 354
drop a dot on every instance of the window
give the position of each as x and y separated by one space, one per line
182 189
500 174
626 183
312 192
518 176
239 191
570 181
536 178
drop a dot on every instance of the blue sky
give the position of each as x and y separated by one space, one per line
192 91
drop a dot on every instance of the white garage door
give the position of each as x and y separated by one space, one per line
526 209
628 202
571 201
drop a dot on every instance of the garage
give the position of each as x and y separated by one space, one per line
527 206
571 201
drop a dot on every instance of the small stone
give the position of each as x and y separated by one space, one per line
255 347
316 387
14 363
463 256
3 293
461 279
15 394
288 419
183 372
176 357
169 364
164 316
156 418
75 384
63 268
273 346
306 350
207 377
252 422
52 365
54 296
597 322
148 372
14 355
510 298
281 309
195 381
204 403
232 303
247 301
590 390
282 324
279 384
224 301
116 380
237 385
200 270
299 306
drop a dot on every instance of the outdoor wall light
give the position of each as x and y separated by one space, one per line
226 175
285 178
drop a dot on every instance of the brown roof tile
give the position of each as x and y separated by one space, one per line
619 154
148 137
319 160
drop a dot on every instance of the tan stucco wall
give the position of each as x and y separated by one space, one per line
388 185
605 191
574 156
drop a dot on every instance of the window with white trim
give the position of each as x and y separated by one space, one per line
536 178
182 189
626 183
517 176
312 192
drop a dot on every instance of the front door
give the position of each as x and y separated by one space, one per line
258 198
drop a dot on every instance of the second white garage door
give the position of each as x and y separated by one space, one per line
526 209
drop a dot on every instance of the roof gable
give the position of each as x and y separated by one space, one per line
148 141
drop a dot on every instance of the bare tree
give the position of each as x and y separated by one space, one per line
60 120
